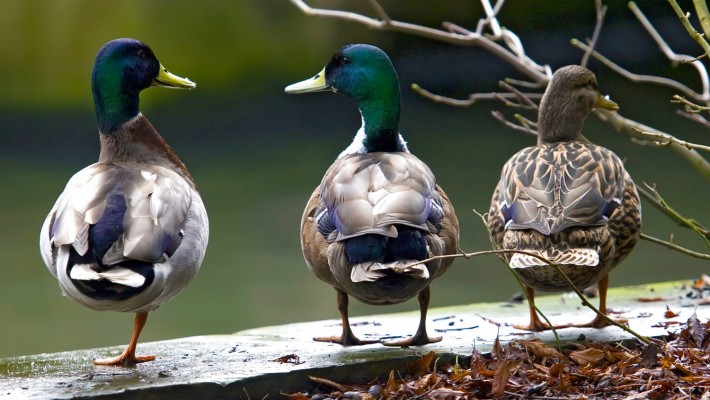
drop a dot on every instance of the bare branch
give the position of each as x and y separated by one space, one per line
601 12
664 140
472 98
701 8
380 11
689 105
525 84
525 122
675 247
500 117
632 129
524 99
572 286
690 223
656 80
697 118
671 55
522 64
491 19
689 27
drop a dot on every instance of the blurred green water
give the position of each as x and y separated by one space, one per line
256 155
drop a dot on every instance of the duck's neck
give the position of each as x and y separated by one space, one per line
559 121
380 120
137 141
114 103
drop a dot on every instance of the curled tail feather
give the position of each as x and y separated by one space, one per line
372 271
582 257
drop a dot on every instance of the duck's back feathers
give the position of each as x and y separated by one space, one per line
572 203
371 217
555 186
373 192
115 222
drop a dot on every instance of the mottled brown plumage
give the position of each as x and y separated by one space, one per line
567 200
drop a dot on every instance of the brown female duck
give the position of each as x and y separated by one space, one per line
567 200
378 209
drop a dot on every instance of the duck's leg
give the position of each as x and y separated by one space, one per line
129 358
421 337
347 338
536 325
599 321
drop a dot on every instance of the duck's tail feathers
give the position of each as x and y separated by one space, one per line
582 257
372 271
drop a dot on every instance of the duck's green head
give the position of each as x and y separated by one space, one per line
123 68
366 74
358 70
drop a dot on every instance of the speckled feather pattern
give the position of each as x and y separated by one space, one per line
555 196
371 193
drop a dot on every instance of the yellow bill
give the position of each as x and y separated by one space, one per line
605 103
168 80
315 84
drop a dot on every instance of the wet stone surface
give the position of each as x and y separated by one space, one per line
257 362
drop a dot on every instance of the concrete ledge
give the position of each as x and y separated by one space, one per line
229 366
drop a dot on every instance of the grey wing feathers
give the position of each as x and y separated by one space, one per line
157 203
555 186
369 193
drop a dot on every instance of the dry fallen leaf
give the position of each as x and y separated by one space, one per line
669 313
290 358
556 369
696 330
421 365
501 379
648 356
649 299
674 368
497 351
540 349
589 356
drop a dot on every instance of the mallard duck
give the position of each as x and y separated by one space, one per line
130 231
378 209
567 200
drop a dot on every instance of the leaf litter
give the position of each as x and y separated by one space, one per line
676 366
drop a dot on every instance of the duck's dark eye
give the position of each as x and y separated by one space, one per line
340 59
141 53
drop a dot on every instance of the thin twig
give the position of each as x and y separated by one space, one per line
572 286
601 12
328 382
692 224
697 118
689 105
525 122
675 247
671 55
504 260
689 27
632 128
472 39
656 80
526 84
701 8
472 98
500 117
664 140
523 98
